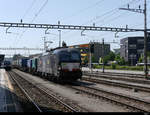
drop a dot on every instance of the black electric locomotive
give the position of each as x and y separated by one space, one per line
60 64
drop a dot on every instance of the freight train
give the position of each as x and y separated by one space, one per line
59 64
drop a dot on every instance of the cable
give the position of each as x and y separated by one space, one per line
30 7
113 11
82 10
36 15
27 11
115 18
85 9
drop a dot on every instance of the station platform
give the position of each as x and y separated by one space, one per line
7 96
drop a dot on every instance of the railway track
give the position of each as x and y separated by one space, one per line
126 75
117 84
135 104
34 107
40 97
118 76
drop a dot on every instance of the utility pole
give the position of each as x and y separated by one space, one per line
90 57
145 40
144 11
103 54
59 38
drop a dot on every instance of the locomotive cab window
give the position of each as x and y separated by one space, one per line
69 56
64 56
75 56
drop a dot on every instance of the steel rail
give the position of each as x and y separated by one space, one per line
124 85
23 90
110 99
118 74
119 94
119 77
50 95
61 102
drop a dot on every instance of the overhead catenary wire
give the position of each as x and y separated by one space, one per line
83 10
113 18
41 8
29 9
109 14
35 16
112 12
135 26
26 12
139 24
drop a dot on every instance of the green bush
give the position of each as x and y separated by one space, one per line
113 66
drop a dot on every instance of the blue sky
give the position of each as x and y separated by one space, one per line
75 12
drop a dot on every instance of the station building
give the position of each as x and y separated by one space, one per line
96 48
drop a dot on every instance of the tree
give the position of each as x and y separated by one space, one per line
141 59
109 57
106 59
93 59
148 54
120 60
112 56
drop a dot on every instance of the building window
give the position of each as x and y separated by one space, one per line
126 41
140 51
140 41
132 56
132 46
